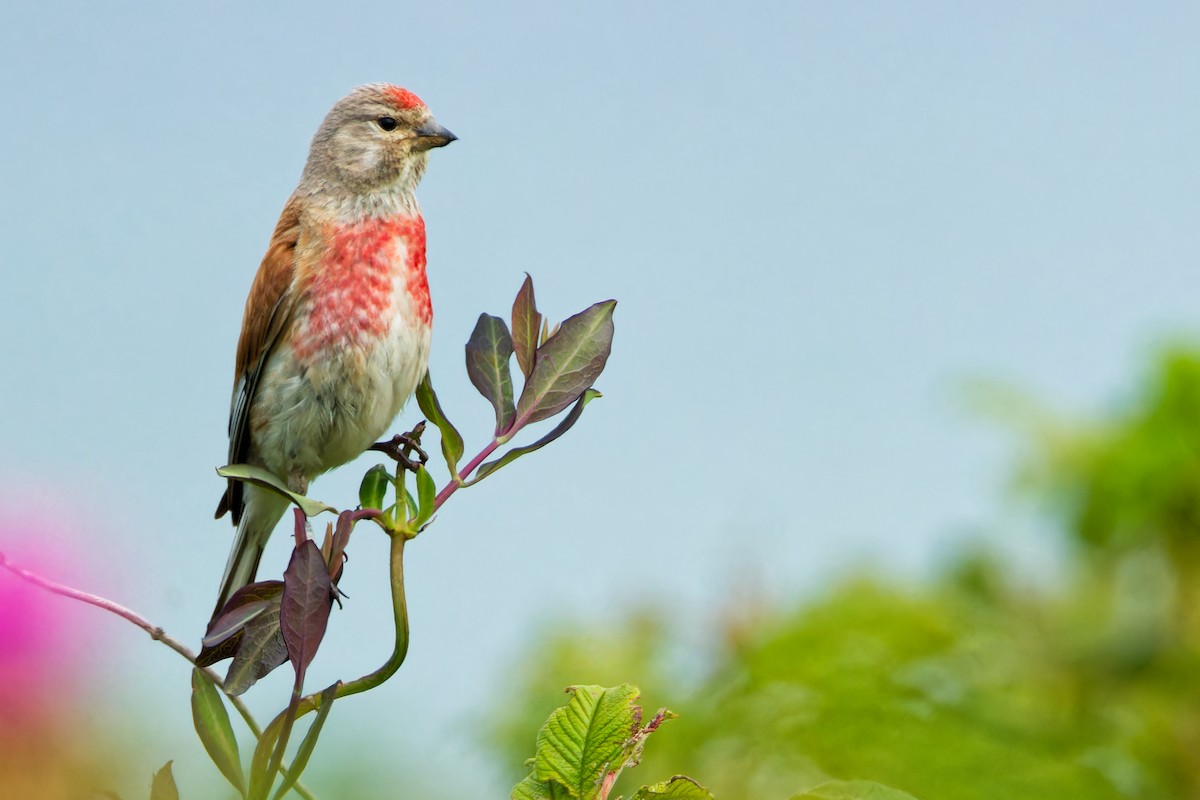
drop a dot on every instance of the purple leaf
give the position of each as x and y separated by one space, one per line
526 322
488 351
307 598
221 639
260 649
568 363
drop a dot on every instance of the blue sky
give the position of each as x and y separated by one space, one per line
821 221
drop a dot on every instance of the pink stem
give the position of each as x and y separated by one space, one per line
452 487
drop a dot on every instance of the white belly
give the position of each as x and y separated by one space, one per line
319 414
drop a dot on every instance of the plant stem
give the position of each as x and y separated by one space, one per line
452 487
400 616
156 633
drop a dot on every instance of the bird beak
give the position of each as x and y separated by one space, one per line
431 135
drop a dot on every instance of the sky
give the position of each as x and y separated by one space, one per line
823 223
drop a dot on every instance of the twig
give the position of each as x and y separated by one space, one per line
156 633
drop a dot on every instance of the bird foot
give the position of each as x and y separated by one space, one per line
401 446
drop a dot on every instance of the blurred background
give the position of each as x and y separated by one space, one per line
896 475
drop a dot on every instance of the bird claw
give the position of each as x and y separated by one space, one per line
400 446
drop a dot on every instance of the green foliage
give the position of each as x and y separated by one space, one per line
584 746
977 685
214 729
162 787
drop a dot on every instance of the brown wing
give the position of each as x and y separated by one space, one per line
268 311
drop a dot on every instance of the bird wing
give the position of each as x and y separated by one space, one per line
268 315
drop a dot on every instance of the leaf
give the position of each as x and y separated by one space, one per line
232 621
452 441
304 752
853 790
526 322
267 479
586 739
221 640
337 544
489 467
260 650
679 787
260 782
374 486
426 495
568 363
162 787
304 610
216 733
488 351
533 789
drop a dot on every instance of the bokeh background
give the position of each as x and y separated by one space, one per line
895 475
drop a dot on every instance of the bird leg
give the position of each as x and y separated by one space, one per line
402 445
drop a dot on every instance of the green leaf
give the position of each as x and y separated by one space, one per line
267 479
216 733
526 322
489 467
679 787
586 739
260 762
304 752
568 363
426 495
533 789
162 787
853 790
452 441
374 487
488 352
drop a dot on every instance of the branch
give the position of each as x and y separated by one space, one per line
156 633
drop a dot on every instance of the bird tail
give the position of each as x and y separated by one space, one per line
262 511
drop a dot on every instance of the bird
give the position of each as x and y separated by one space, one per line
336 330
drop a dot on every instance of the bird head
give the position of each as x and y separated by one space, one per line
375 139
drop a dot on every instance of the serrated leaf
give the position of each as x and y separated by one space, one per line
680 787
526 323
374 487
583 739
853 790
211 721
162 787
267 479
426 495
562 427
532 789
304 610
305 751
488 352
452 441
568 363
260 649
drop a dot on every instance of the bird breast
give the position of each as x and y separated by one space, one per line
359 346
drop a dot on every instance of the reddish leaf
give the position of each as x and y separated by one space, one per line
222 638
568 363
307 598
526 322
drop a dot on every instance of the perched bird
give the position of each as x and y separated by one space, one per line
335 336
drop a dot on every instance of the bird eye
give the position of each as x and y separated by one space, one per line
387 123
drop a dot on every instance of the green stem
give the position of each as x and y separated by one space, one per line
400 615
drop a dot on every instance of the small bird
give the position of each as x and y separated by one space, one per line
335 336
